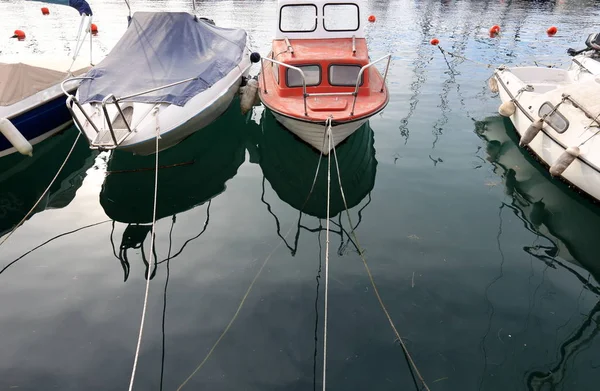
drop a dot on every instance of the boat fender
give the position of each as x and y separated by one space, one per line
493 84
507 108
15 137
564 161
249 93
531 132
254 57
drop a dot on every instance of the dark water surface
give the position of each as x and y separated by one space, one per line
489 268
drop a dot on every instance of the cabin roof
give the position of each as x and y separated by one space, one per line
312 51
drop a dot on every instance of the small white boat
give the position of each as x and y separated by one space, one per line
169 75
556 113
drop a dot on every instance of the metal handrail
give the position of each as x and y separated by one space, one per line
62 84
362 70
108 121
304 94
69 104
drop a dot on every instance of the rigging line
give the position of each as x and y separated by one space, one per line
45 191
258 273
329 137
152 254
50 240
372 280
164 314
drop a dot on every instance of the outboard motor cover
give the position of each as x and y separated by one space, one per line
593 41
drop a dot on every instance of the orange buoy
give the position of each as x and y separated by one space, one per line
45 11
94 29
434 41
495 29
19 34
372 18
551 31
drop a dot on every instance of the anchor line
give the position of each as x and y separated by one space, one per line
44 193
329 137
258 273
152 255
372 280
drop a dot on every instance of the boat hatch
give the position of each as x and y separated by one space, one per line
553 117
319 19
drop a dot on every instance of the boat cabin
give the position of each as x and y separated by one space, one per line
325 40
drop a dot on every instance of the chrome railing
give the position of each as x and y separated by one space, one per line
306 95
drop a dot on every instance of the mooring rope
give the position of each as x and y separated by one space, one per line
371 279
329 138
258 273
44 193
139 342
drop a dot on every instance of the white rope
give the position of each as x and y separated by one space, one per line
80 39
328 133
44 193
139 342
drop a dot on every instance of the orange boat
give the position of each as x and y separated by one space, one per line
318 72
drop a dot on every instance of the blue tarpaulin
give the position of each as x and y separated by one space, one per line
80 5
160 48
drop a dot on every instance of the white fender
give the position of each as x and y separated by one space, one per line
249 95
15 137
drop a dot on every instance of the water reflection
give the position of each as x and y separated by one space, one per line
569 223
548 207
23 179
190 175
290 167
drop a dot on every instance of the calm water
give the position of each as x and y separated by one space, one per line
488 267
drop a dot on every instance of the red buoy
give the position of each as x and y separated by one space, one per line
94 29
19 34
551 31
495 29
45 11
434 41
372 18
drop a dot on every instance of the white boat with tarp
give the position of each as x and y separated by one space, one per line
169 75
556 113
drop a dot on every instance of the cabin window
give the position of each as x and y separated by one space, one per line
312 74
298 18
345 75
341 17
556 120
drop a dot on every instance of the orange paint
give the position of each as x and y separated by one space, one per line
289 101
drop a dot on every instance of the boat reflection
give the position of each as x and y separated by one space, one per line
571 225
189 175
23 179
548 207
289 165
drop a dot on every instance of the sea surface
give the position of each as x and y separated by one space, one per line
489 268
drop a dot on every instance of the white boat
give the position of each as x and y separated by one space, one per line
169 75
556 113
31 99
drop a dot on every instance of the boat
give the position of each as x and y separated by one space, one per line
568 223
289 166
190 175
318 72
169 75
556 113
24 179
32 105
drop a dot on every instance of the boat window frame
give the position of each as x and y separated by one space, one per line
287 84
342 30
362 77
300 31
556 112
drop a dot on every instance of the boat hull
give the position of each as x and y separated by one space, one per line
314 133
548 145
39 120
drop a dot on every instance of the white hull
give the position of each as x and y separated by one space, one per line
313 133
173 123
548 86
